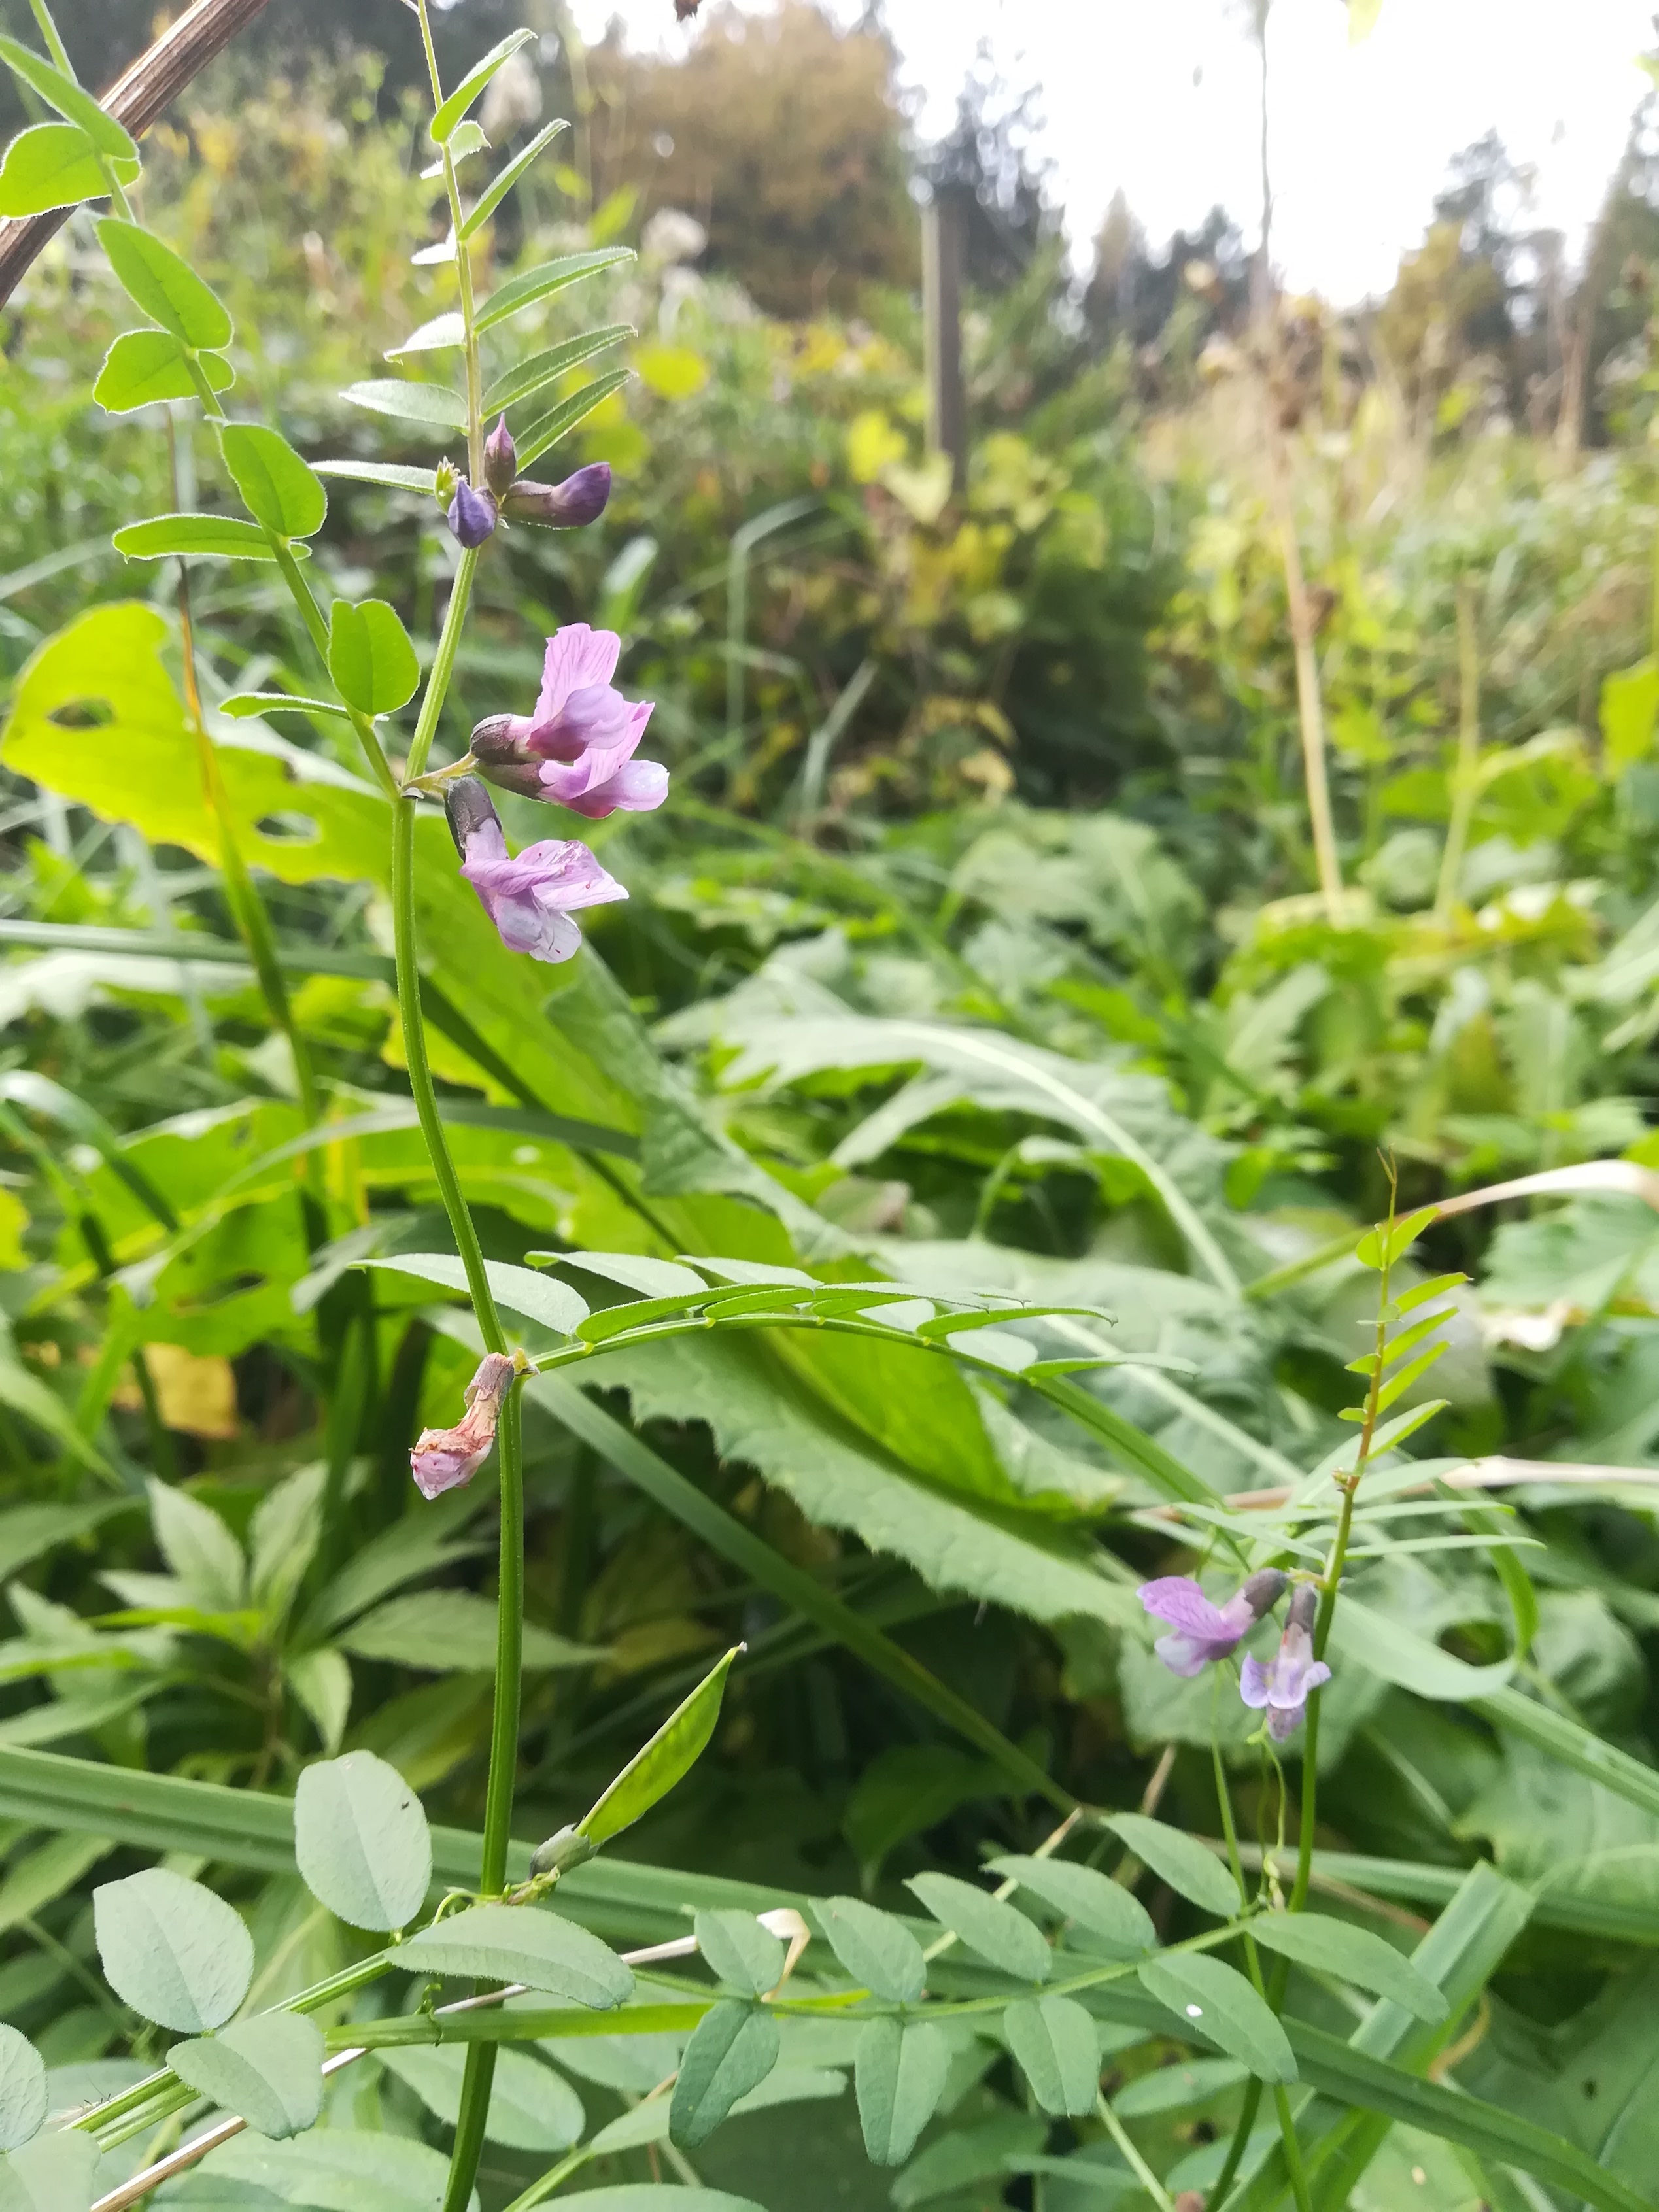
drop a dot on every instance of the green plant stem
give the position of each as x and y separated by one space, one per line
1143 2172
443 665
463 270
1465 776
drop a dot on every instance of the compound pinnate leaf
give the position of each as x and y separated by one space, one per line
739 1951
164 285
733 2047
268 2071
1220 2005
899 2073
181 537
1093 1900
671 1753
1054 2040
22 2089
171 1949
53 2173
51 165
878 1951
143 367
534 285
70 99
361 1841
1176 1858
450 111
523 1943
370 657
278 489
1003 1937
1353 1954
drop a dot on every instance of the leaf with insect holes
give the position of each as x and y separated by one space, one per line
739 1952
1175 1857
1352 1954
1381 1247
452 110
1001 1934
22 2090
53 165
268 2071
1054 2040
732 2049
278 489
164 285
899 2070
1086 1896
195 536
877 1949
1217 2004
144 366
502 184
361 1841
174 1952
370 657
71 100
658 1764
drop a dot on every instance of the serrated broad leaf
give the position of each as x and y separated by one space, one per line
361 1841
72 101
144 366
739 1951
530 2106
390 476
165 286
201 537
53 2173
1176 1858
370 657
1219 2004
877 1949
1084 1895
199 1549
455 107
268 2071
174 1952
51 165
502 183
539 284
278 489
22 2089
526 378
520 1290
899 2073
1001 1934
558 421
435 406
658 1764
523 1943
732 2048
1353 1954
1054 2040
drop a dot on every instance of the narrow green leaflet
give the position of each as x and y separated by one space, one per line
433 405
337 2169
244 706
899 2073
278 489
732 2048
739 1951
1054 2040
523 1943
502 184
1001 1934
1177 2088
547 430
164 285
143 367
441 1630
450 114
22 2089
655 2196
1398 1653
1185 1864
171 1949
442 334
390 476
540 284
53 2173
1382 1245
361 1841
658 1764
1220 2005
1354 1954
878 1950
216 537
51 165
1084 1895
370 656
71 100
520 1290
530 2106
267 2069
526 378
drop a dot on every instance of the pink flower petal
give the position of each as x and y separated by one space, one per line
1178 1600
576 656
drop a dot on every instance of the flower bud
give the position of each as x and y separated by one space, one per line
568 1847
501 459
504 756
1263 1591
469 809
472 516
445 478
1304 1609
580 498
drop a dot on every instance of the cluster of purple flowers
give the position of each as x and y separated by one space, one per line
1204 1633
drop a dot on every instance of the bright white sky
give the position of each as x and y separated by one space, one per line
1159 96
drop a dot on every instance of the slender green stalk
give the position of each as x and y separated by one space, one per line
1465 788
464 271
1143 2172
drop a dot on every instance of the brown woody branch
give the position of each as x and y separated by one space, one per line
135 99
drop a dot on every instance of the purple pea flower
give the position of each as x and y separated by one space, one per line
472 516
580 498
578 747
1204 1632
443 1459
531 896
501 459
1283 1685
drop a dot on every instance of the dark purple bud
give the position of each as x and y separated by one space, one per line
1262 1592
580 498
501 459
468 807
472 516
1303 1607
501 748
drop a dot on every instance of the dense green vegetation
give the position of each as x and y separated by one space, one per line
989 945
